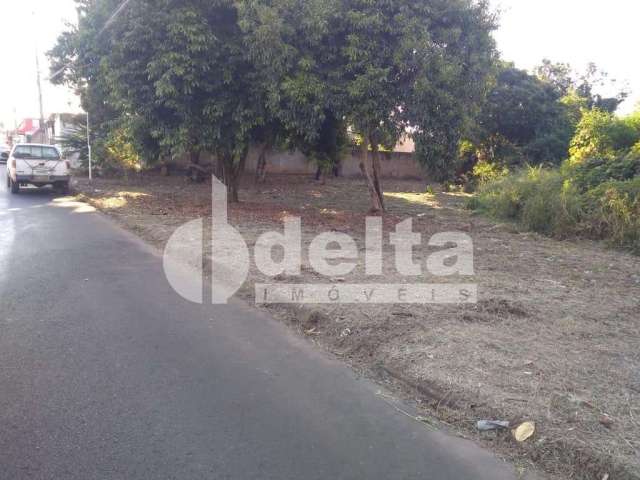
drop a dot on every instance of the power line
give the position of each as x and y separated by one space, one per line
114 16
107 24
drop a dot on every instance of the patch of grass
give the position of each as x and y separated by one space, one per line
548 201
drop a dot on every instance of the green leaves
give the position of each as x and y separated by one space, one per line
217 75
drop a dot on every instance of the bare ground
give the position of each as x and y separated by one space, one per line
554 338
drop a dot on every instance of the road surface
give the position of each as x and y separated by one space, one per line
105 373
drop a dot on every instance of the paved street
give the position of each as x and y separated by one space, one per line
105 373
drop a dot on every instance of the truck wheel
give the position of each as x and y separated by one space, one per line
62 188
15 187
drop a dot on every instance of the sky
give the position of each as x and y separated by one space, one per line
575 32
572 31
27 26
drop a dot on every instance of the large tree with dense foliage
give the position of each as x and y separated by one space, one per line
382 67
184 64
202 75
177 69
524 120
294 45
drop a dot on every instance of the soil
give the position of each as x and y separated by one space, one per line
554 337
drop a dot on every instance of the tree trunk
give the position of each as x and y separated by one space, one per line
377 172
232 173
194 156
228 177
261 167
195 171
321 175
367 168
219 168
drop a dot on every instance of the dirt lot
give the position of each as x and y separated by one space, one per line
554 338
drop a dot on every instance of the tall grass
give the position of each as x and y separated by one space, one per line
551 202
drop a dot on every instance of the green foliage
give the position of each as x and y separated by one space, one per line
602 134
183 67
331 144
120 153
597 197
525 121
294 45
485 172
448 100
74 140
535 119
173 75
75 61
538 199
594 171
380 66
615 210
583 86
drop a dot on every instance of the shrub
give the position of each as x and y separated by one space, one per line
615 212
120 153
485 172
595 171
549 202
603 135
538 199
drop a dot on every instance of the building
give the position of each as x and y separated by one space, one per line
28 131
60 124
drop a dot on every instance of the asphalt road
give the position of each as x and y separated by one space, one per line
105 373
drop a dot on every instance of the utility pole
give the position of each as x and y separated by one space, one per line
43 126
89 147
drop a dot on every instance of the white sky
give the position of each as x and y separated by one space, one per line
573 31
27 25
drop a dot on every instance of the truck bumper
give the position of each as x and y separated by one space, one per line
42 179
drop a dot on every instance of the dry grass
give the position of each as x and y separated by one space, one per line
554 338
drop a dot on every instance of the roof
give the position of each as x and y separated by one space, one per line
28 126
34 145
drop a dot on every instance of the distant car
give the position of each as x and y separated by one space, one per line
4 153
37 165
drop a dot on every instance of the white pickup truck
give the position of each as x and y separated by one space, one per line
38 165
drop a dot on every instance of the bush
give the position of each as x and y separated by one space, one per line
120 155
485 172
538 199
615 212
603 135
550 202
595 171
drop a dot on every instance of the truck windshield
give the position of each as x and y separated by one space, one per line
36 152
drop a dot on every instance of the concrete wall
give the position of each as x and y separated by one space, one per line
398 165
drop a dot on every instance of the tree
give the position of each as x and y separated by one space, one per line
594 78
296 50
569 83
184 64
75 61
560 75
417 67
178 71
382 67
524 120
